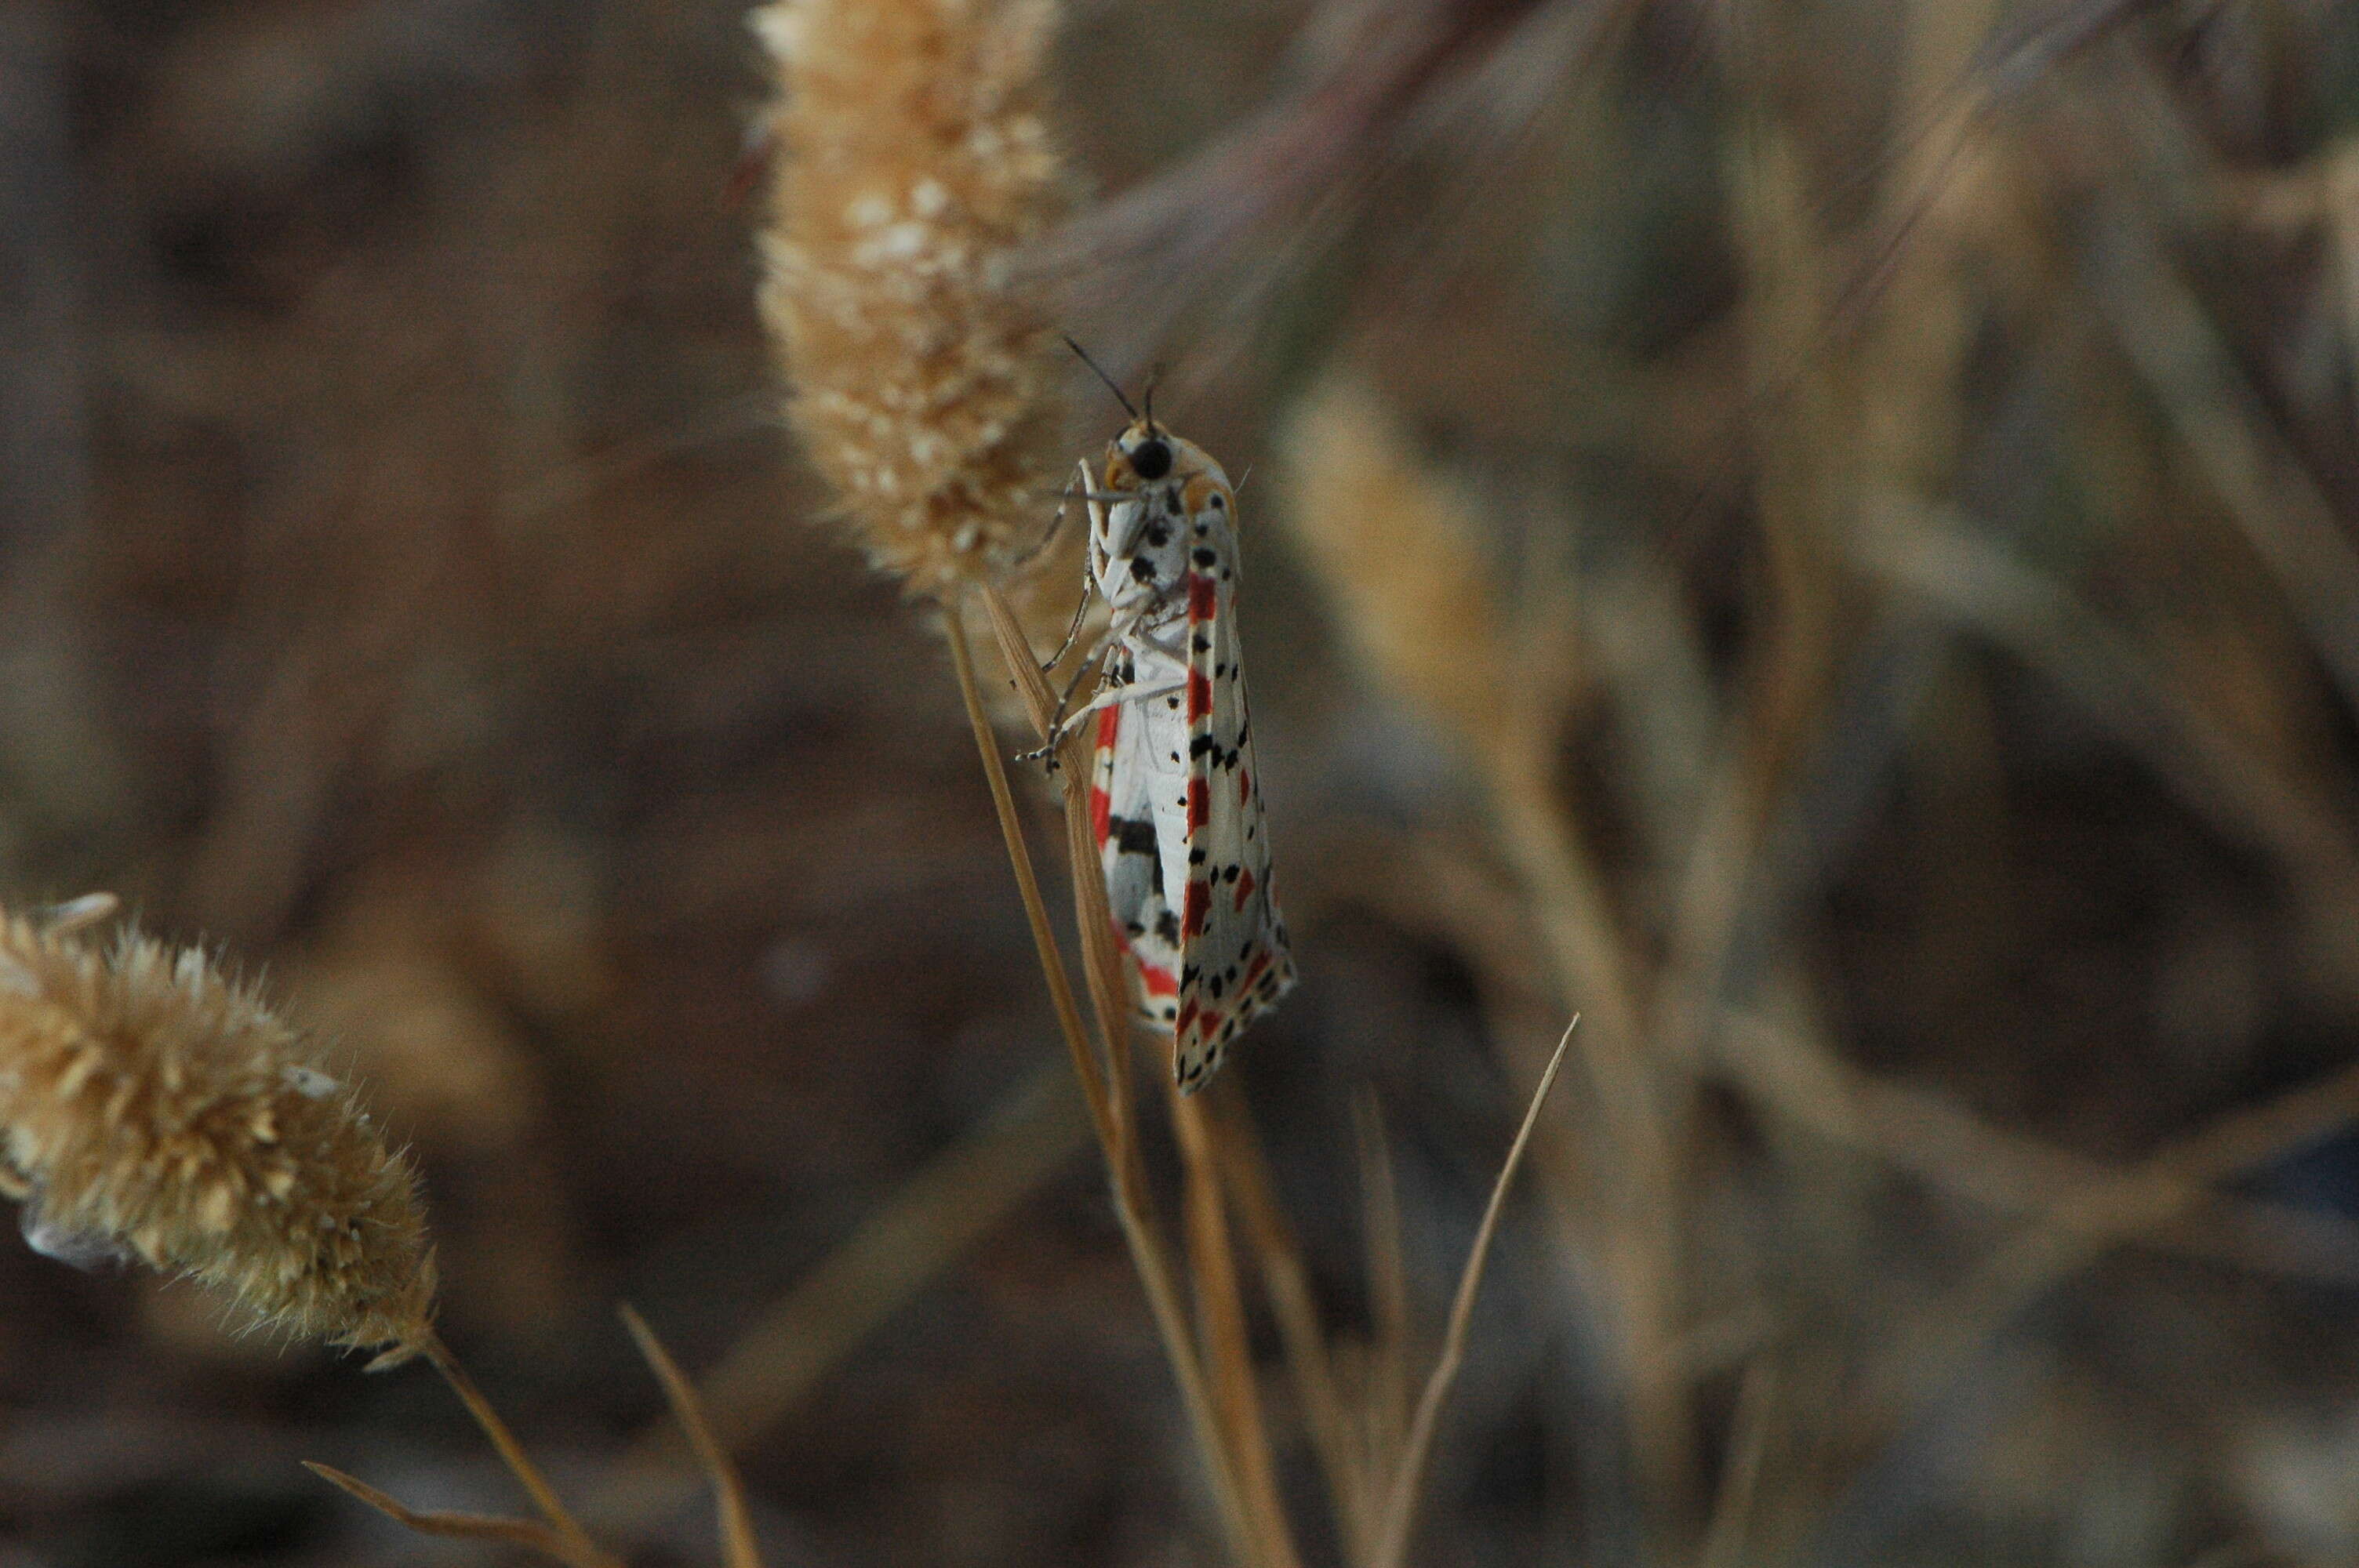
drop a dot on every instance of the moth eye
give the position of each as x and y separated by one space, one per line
1150 459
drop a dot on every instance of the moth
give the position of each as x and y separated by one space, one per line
1174 798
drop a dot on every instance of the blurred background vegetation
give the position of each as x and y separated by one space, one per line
1822 534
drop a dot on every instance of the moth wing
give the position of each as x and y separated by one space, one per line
1236 959
1123 815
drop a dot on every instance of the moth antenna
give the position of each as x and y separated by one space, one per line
1153 376
1111 386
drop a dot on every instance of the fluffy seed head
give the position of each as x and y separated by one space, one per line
914 168
151 1108
1396 547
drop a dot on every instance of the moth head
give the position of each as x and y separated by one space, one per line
1145 447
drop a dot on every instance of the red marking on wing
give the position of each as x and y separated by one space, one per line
1245 786
1159 981
1200 804
1203 598
1253 972
1199 901
1244 888
1199 695
1186 1016
1101 804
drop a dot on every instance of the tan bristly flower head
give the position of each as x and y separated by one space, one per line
152 1110
913 168
1396 546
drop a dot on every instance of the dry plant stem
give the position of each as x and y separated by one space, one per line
1807 488
728 1491
512 1453
1400 1501
2245 793
1639 1236
936 1215
1790 1073
1388 1391
1221 1322
1104 996
1731 1511
1100 965
522 1532
1286 1280
1027 884
1148 1253
1579 928
2085 1225
1214 1274
2219 415
1396 546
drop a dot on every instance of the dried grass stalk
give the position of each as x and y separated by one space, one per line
529 1534
736 1523
916 168
1107 1089
1408 1473
150 1108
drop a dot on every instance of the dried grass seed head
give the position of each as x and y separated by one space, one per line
1396 546
914 168
151 1108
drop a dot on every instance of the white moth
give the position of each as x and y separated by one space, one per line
1174 799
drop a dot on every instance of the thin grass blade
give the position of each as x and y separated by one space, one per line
1400 1505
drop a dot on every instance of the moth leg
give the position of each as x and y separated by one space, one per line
1109 694
1058 721
1056 523
1108 697
1073 633
1133 620
1176 652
